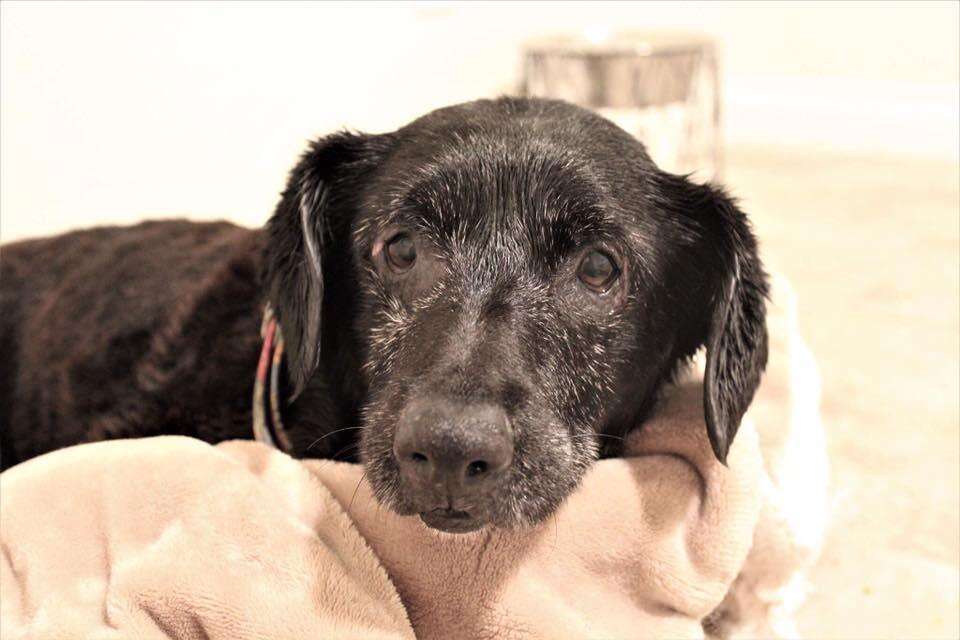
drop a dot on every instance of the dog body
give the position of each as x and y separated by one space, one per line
125 332
476 305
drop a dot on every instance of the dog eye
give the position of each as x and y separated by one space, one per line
401 252
597 271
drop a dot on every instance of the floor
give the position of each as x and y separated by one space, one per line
871 245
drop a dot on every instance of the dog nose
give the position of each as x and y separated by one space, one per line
453 448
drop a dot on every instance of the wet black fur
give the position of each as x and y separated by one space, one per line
151 329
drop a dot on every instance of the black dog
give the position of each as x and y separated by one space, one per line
476 305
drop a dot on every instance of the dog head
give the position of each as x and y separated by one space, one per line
495 293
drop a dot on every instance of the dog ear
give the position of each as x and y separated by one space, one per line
737 334
320 188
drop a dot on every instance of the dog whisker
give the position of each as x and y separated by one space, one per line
591 436
327 435
359 482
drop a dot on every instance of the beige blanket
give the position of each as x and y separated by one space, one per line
173 538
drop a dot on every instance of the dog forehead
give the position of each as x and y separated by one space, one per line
489 181
529 172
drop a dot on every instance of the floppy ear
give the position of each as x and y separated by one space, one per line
319 189
737 334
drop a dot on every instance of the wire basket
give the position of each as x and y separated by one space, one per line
662 88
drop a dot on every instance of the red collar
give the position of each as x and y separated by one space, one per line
267 420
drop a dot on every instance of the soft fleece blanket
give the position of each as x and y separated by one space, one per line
173 538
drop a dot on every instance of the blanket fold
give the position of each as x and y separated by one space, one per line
169 537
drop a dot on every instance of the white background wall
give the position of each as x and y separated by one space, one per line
114 112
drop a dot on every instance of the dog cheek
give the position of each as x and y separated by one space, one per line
577 387
535 497
582 381
376 447
389 324
549 464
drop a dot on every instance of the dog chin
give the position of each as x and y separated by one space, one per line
452 521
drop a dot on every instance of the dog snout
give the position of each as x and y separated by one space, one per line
452 449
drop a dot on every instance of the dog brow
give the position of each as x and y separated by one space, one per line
549 204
